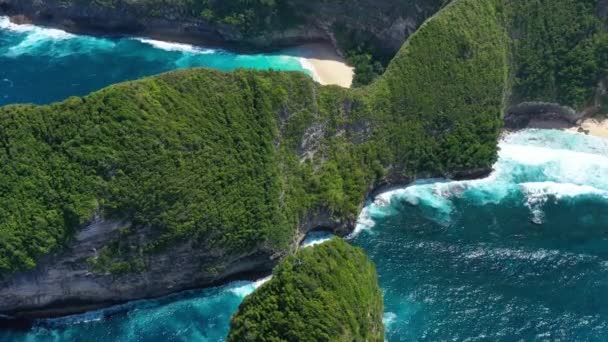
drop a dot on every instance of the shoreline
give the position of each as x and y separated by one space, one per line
324 63
321 59
163 31
593 126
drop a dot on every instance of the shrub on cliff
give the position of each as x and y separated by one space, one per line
328 292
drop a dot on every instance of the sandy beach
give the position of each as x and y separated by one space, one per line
592 126
326 66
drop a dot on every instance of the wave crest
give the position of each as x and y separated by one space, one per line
178 47
574 166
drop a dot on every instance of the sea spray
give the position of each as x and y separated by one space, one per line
316 237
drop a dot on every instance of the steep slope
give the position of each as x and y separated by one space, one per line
329 292
184 179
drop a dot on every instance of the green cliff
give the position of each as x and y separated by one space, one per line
328 292
560 51
238 161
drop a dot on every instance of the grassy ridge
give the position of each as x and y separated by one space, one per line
329 292
235 160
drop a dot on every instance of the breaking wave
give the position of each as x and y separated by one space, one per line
519 255
537 165
179 47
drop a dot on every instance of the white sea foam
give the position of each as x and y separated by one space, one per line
570 166
317 238
34 31
555 257
260 282
556 139
364 222
243 290
388 319
560 190
48 33
538 193
91 316
49 42
179 47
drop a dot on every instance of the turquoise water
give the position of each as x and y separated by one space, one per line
41 65
191 316
520 255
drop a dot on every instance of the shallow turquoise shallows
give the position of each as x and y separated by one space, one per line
520 255
41 65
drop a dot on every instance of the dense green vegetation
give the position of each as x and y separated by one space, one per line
363 53
560 50
234 161
189 153
328 292
446 89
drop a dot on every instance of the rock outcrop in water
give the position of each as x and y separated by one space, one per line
199 175
328 292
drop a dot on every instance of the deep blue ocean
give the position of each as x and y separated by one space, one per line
519 256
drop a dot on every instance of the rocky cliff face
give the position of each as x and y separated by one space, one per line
63 283
388 24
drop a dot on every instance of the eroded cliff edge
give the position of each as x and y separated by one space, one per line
183 179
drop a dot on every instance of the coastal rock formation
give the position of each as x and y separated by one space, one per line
200 175
326 292
189 178
64 283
